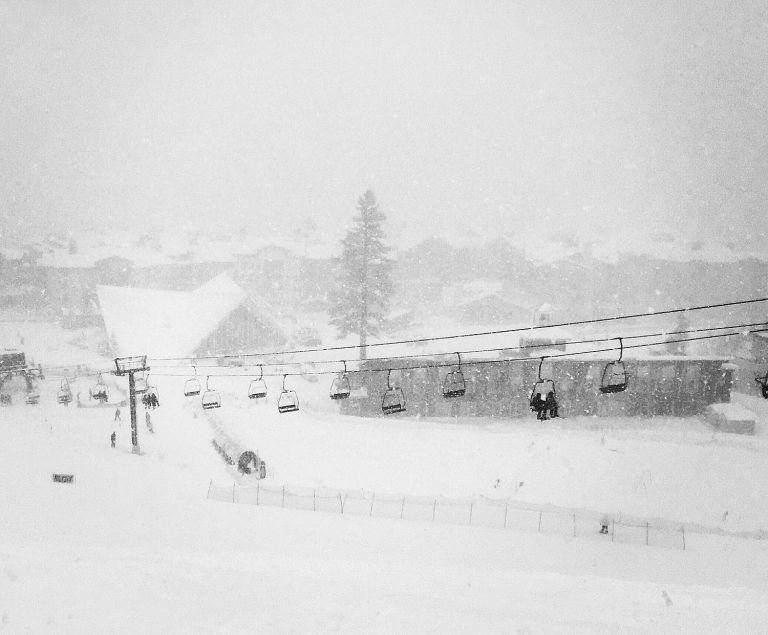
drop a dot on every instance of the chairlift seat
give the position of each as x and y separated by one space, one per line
340 388
257 389
393 401
288 401
615 378
454 385
211 399
191 388
64 396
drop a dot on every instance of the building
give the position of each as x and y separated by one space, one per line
658 386
217 318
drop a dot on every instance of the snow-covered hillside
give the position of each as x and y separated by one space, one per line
133 546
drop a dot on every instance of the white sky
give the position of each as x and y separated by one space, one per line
634 116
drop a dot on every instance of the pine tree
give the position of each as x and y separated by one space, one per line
360 301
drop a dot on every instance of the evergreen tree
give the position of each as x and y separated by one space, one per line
360 300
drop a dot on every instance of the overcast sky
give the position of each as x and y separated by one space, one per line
576 116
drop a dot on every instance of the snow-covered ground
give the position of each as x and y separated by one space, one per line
134 546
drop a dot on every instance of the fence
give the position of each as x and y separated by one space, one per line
478 511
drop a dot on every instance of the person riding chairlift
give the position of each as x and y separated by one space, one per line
538 406
550 405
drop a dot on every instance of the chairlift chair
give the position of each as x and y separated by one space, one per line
153 392
393 400
763 381
340 388
64 395
288 400
257 389
211 398
192 385
542 388
140 384
100 392
615 378
454 385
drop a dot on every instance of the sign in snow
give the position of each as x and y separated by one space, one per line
63 478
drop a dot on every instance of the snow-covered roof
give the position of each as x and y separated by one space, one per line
166 323
544 247
87 258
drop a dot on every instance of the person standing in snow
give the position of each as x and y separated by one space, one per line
117 414
113 438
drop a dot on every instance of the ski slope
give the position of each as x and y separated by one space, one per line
133 546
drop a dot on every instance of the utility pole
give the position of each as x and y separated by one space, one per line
129 366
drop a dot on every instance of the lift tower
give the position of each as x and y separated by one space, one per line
129 366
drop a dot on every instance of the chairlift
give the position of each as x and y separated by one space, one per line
288 400
211 398
615 378
100 392
454 385
64 395
540 390
763 381
152 395
140 384
393 400
257 389
192 385
340 387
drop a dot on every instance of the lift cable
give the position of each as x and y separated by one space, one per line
503 348
462 335
478 362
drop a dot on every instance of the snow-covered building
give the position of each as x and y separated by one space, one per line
218 318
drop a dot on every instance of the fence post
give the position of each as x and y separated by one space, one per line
506 509
574 525
647 529
283 504
540 521
434 507
373 498
682 528
471 505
